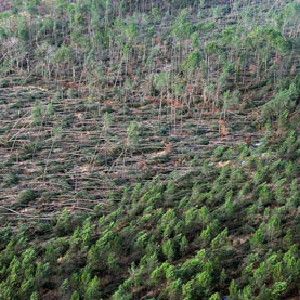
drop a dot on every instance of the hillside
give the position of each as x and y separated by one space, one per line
149 149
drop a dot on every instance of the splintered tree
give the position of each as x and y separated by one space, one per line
161 84
181 31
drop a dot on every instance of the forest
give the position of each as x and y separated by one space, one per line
149 149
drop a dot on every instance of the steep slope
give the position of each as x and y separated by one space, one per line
149 150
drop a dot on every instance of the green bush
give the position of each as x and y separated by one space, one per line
262 175
279 289
63 224
75 296
219 151
280 192
168 249
258 238
294 194
37 114
215 296
93 290
264 194
174 289
27 196
10 179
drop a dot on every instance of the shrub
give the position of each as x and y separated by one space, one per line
258 238
229 205
233 290
31 149
210 231
291 262
86 232
188 290
34 296
262 175
183 245
280 194
93 289
160 273
220 240
168 249
10 179
37 114
4 83
27 196
75 296
246 188
247 293
113 262
219 151
55 248
265 293
291 170
133 135
167 222
265 194
122 294
63 224
294 194
174 289
191 217
274 225
279 289
5 235
229 154
204 279
215 296
238 176
42 273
